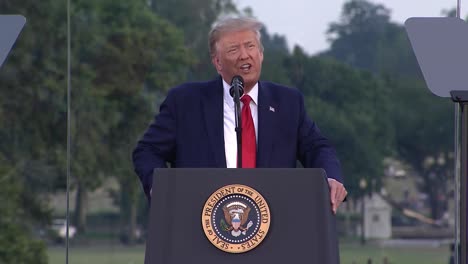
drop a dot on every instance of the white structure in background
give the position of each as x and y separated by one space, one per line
377 218
59 226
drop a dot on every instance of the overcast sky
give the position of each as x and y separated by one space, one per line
304 22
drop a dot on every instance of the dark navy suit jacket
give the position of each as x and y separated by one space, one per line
189 132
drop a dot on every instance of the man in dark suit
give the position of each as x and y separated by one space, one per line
196 128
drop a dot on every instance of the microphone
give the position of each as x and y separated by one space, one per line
237 83
236 91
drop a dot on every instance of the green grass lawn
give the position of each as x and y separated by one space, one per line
98 255
357 254
350 253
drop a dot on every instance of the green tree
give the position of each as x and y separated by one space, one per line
350 108
16 245
123 56
32 101
365 38
32 137
424 138
195 19
275 55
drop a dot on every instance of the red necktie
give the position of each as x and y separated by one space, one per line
249 145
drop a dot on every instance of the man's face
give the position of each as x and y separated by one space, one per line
239 53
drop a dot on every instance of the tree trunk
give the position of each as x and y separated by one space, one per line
128 212
81 208
434 206
433 200
132 222
347 224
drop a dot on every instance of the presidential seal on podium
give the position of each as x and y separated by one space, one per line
236 218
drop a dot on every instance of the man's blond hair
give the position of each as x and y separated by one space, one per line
233 25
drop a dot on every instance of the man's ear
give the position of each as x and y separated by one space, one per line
217 63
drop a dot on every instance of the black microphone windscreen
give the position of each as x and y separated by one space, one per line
237 82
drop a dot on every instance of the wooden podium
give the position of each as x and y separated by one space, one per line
302 227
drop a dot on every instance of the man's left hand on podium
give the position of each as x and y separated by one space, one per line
337 193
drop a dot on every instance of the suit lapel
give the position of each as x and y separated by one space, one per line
266 119
212 105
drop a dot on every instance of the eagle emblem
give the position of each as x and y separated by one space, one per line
236 218
236 214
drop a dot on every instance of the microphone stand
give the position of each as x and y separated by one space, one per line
238 122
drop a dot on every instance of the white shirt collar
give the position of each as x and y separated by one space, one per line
228 99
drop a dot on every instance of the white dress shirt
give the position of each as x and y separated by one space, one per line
230 139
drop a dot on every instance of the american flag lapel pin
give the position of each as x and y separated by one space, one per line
272 109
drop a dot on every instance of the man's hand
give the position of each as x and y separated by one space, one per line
337 193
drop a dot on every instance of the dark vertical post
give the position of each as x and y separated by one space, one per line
363 208
463 179
363 186
461 170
